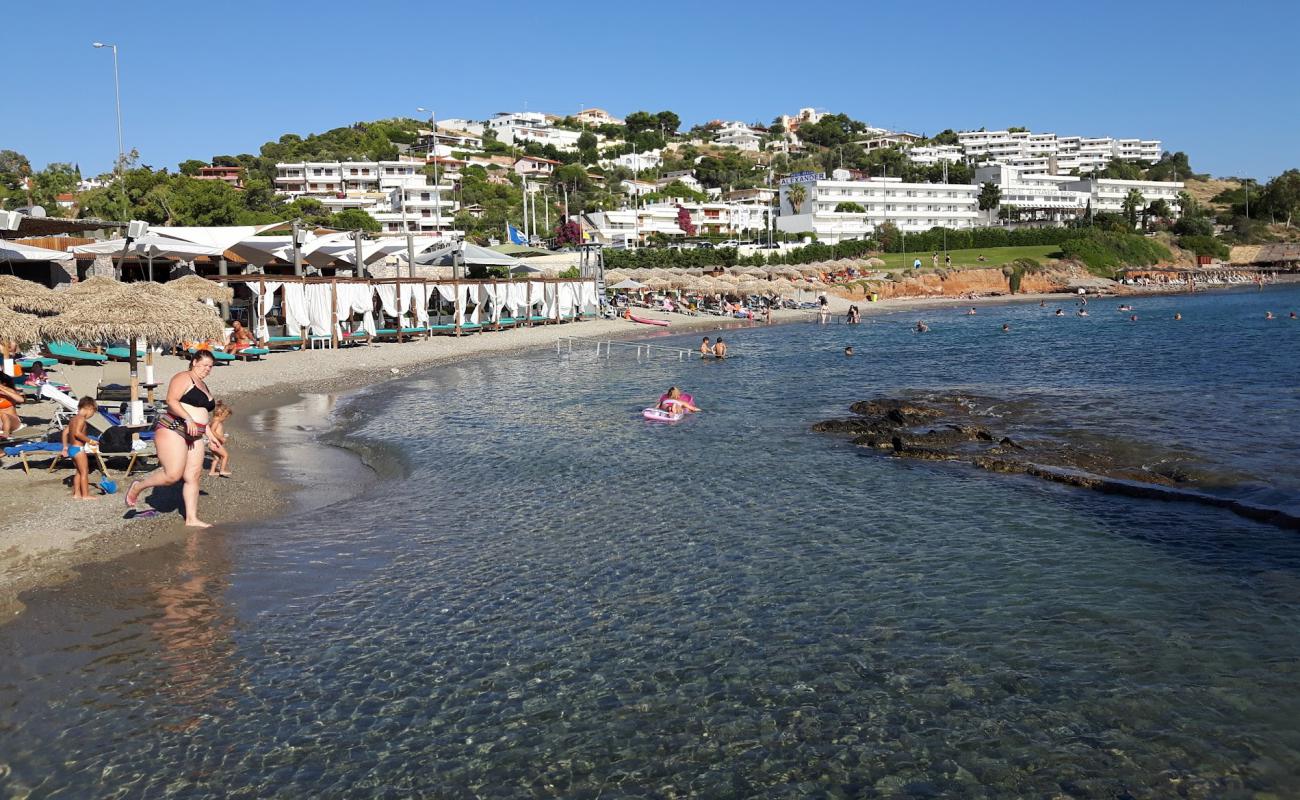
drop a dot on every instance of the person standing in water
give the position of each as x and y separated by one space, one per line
178 437
706 349
719 348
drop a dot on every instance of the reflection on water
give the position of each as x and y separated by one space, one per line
194 629
563 600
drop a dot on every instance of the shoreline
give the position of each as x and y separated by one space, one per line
73 536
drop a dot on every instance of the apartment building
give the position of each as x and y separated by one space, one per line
933 154
912 207
1032 197
396 193
635 161
1049 153
1107 194
597 116
232 176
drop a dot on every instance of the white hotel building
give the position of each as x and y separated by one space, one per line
1107 194
1047 153
912 207
396 193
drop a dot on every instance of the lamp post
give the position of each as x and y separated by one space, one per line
117 98
433 151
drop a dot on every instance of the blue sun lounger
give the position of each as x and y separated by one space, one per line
67 353
121 353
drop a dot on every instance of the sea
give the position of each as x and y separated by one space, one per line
542 594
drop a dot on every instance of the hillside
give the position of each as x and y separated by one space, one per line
1204 191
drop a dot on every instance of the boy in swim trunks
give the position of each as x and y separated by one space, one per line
706 349
75 441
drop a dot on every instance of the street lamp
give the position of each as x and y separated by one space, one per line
117 99
433 154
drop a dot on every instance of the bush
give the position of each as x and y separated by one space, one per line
1106 253
1204 246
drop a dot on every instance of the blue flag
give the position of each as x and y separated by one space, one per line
515 236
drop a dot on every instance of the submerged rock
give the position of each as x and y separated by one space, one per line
942 428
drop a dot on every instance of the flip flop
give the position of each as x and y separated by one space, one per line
148 513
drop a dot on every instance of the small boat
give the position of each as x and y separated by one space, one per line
647 321
659 415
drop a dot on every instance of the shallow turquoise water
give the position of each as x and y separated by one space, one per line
564 600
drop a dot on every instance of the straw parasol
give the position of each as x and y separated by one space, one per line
116 310
193 287
18 327
16 293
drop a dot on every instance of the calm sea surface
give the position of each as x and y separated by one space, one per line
560 599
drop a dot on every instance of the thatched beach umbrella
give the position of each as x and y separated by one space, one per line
18 328
132 312
22 295
195 288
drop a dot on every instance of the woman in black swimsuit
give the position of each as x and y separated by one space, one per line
178 437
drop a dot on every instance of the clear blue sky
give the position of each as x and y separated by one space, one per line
1218 80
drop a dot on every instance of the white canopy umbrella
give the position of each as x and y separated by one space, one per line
371 251
262 250
223 237
149 246
628 284
13 251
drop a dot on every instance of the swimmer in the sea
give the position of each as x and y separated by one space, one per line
1060 313
1268 315
972 311
921 327
848 351
1133 318
1177 316
1006 328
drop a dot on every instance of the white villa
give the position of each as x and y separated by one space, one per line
396 193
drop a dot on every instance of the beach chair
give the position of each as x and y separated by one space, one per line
67 353
114 385
218 356
251 353
285 342
58 456
123 353
28 363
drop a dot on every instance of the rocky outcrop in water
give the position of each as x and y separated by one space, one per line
945 428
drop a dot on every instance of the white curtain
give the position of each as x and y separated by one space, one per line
567 299
415 295
552 300
263 301
320 312
388 300
355 298
536 297
474 294
296 315
449 293
587 301
488 293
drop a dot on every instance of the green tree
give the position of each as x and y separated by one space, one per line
796 194
192 166
849 208
990 196
668 122
1281 196
1160 209
587 150
1133 203
56 179
351 219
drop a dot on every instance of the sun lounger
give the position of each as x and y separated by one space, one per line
122 353
219 356
69 354
289 342
28 363
251 353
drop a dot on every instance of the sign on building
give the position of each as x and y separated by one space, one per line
803 177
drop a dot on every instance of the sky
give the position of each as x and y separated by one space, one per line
1217 80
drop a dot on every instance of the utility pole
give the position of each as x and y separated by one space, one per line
433 156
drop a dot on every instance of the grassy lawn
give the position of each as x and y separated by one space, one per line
968 259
